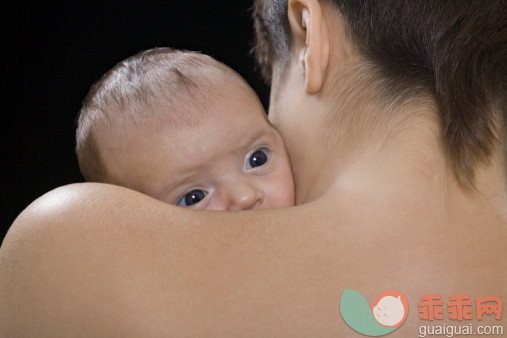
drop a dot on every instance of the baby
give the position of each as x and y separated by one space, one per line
185 129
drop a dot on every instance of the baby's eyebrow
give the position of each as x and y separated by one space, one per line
248 142
183 179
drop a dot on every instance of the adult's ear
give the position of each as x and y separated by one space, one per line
311 41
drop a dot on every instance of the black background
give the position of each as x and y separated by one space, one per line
54 51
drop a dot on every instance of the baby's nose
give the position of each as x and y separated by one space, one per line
243 197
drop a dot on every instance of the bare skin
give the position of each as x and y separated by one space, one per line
375 213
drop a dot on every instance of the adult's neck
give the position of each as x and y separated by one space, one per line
395 151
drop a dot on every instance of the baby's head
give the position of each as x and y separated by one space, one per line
185 129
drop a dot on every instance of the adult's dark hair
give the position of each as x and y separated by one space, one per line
456 50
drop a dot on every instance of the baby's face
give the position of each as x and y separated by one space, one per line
232 160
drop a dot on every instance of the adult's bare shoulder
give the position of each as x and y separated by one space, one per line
53 261
97 259
93 258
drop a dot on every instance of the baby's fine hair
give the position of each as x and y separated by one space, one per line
133 89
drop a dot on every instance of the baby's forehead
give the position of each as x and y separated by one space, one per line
225 95
209 92
217 83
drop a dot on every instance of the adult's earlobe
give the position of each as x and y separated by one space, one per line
311 41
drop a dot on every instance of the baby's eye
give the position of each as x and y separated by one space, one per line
193 197
258 158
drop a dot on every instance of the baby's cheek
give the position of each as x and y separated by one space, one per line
280 192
